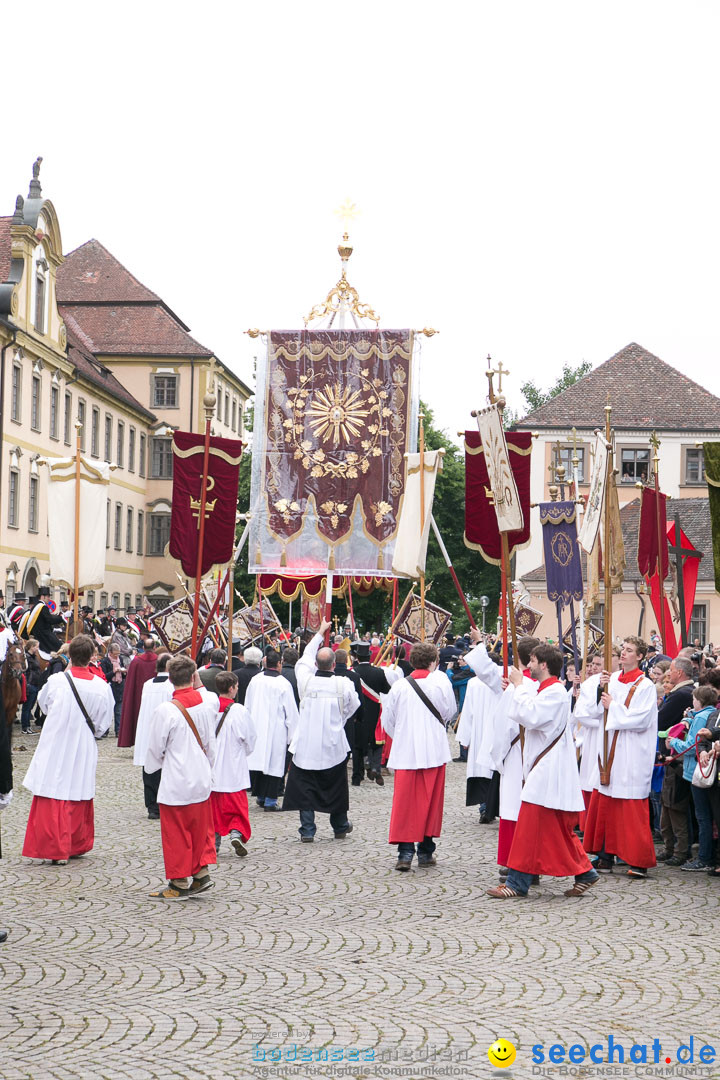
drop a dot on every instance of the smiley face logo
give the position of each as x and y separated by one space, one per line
501 1054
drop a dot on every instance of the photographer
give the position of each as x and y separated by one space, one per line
708 746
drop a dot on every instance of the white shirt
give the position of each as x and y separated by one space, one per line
154 692
65 759
317 740
587 737
506 749
477 727
172 747
631 773
419 740
553 781
271 703
235 741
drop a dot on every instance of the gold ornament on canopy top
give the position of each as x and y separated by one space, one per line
343 299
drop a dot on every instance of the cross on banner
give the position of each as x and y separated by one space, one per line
679 552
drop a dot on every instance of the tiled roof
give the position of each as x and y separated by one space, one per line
5 223
644 392
96 373
694 517
131 330
91 275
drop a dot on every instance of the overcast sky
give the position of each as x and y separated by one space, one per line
537 180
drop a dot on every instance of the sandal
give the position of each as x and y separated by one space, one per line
170 892
504 892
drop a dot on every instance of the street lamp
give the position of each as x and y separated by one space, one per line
484 603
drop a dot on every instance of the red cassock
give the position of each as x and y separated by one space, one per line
230 811
417 808
544 843
188 838
506 834
620 827
142 669
59 828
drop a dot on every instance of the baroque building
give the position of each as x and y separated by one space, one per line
82 340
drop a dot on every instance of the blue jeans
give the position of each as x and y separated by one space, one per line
701 802
425 847
25 717
520 882
338 822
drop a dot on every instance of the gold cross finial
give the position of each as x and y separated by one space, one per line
500 372
211 373
655 441
347 213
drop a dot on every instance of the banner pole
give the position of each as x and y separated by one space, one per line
609 479
231 607
451 568
422 521
241 544
76 567
350 605
201 526
328 599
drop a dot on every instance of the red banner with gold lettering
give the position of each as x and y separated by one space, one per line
481 527
221 502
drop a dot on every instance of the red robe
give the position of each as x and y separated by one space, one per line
142 668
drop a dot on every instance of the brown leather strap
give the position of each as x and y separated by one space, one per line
191 723
633 688
547 750
226 710
515 740
605 773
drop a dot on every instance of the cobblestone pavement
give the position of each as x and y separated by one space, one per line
326 945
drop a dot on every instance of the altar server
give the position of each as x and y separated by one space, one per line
154 692
270 700
235 735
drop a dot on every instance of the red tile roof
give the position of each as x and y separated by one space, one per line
644 392
101 376
131 330
91 275
5 223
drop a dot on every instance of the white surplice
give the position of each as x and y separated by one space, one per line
65 759
172 747
154 692
326 701
419 739
271 703
234 744
552 780
588 734
476 729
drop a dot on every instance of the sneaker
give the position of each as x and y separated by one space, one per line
637 872
676 860
663 856
695 865
237 843
273 809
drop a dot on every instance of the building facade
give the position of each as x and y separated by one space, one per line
645 395
83 341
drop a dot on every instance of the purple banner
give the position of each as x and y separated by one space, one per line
563 568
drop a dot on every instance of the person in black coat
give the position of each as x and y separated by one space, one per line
373 683
353 724
253 660
289 660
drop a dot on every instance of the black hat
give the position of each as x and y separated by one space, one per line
43 591
130 611
361 650
121 622
83 608
20 598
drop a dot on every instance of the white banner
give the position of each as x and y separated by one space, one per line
412 540
596 498
94 480
502 482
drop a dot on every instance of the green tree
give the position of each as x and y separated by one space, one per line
535 397
374 611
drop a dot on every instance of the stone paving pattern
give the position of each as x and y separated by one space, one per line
326 944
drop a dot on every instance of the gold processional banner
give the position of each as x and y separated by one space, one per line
336 415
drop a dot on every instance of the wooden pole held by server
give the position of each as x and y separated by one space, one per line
231 607
209 405
655 443
609 479
76 565
422 521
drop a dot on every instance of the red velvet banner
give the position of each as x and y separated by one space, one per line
481 529
220 507
648 533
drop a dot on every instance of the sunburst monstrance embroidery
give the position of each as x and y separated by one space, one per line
338 413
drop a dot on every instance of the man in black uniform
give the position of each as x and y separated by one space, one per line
373 683
39 622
